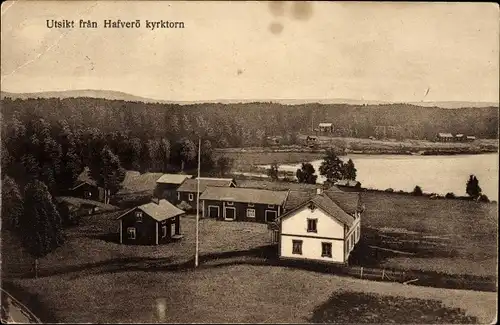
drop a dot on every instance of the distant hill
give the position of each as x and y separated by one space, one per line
118 95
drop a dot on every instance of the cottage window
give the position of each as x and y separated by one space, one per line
251 205
312 225
191 197
230 203
88 194
138 216
250 213
131 232
326 249
297 247
164 231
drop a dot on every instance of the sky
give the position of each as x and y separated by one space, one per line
257 50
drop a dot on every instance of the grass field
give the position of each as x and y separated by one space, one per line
467 231
93 279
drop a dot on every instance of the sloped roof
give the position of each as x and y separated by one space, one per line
161 211
297 197
325 124
459 135
137 182
190 184
172 178
445 135
277 186
347 182
84 178
336 204
471 137
244 195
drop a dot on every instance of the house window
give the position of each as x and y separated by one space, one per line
250 213
131 232
251 205
178 195
138 216
271 206
88 194
164 231
326 249
191 197
312 225
297 247
230 203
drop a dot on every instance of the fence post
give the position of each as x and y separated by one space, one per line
361 275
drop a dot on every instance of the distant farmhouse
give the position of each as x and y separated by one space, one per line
167 185
187 190
151 224
348 185
324 227
274 140
448 137
326 127
242 204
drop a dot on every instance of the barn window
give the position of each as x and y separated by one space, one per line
250 213
131 232
164 231
312 225
191 197
138 216
297 247
326 249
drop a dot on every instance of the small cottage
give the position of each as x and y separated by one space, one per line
326 127
324 228
151 224
471 138
242 204
445 137
87 190
459 137
167 185
187 190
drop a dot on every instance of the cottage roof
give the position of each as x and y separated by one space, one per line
244 195
460 135
190 184
348 201
339 205
172 178
81 183
445 135
325 125
347 182
471 137
159 211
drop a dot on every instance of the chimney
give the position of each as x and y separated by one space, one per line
319 190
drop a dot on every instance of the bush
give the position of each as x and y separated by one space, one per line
390 190
450 195
483 198
417 191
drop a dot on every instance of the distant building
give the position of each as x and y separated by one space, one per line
471 138
459 137
167 184
88 190
274 140
348 184
445 137
187 190
326 127
324 228
242 204
151 224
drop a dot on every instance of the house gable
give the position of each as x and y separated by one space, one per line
296 223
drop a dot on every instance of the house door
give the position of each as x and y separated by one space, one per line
213 212
230 213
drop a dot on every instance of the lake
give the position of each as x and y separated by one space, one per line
434 174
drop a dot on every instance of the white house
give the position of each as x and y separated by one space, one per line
324 228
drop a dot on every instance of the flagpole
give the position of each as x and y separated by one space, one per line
198 204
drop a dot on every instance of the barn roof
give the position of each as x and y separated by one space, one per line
190 184
325 124
471 137
445 135
339 205
244 195
347 182
172 178
460 135
159 211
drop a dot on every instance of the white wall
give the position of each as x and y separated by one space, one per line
311 249
296 224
